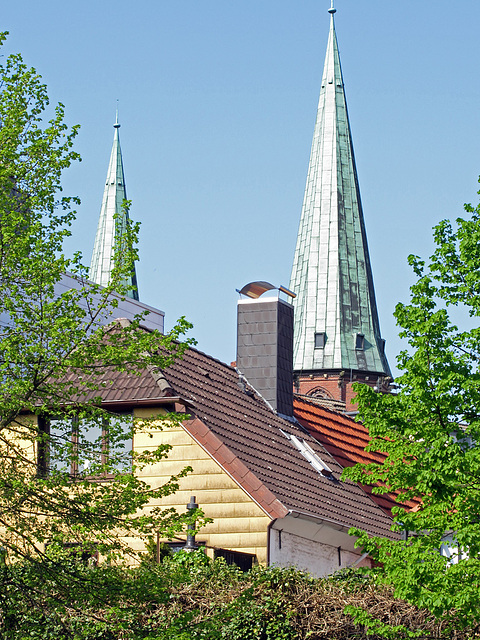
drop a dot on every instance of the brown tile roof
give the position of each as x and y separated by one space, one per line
249 429
235 425
123 387
345 440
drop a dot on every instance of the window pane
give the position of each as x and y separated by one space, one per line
120 441
360 342
320 339
61 449
90 445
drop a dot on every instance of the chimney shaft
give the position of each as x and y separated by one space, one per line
265 349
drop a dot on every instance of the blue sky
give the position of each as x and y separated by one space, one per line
217 103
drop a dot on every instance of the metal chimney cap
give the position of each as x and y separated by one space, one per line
258 288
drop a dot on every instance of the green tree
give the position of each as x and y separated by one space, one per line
56 349
430 430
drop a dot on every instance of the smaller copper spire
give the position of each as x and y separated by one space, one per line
112 222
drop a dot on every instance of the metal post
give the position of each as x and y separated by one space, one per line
191 546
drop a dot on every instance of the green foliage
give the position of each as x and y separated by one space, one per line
375 627
430 430
115 602
56 353
189 597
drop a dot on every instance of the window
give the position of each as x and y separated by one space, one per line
320 340
243 560
308 453
88 556
359 342
94 446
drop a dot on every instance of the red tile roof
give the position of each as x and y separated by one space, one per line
345 440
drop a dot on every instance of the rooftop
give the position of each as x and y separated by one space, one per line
259 449
345 439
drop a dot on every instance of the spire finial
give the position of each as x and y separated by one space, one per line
116 125
332 9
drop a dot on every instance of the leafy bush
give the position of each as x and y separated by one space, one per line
190 597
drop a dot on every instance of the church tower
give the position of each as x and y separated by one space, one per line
337 338
112 222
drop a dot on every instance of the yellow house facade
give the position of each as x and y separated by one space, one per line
239 523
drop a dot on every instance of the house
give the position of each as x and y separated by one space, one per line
272 483
273 490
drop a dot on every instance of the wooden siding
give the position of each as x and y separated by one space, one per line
239 524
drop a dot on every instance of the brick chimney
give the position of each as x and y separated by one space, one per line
265 349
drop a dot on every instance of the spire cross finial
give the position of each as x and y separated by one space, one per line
332 9
116 125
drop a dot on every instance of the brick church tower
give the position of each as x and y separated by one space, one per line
337 338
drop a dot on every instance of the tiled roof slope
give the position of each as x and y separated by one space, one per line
250 430
239 429
344 439
124 387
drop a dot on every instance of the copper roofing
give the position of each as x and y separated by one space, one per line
112 222
256 289
331 272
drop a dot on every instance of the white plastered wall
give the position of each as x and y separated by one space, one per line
312 546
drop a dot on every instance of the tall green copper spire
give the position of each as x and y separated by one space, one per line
111 229
336 319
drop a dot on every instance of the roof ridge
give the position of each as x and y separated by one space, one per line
160 380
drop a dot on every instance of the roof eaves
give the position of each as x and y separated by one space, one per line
331 523
315 518
181 404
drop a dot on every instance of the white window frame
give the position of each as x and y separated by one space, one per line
308 453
